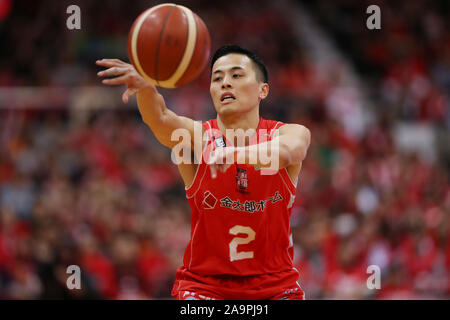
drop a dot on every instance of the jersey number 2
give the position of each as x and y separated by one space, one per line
234 255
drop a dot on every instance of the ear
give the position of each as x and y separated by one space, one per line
263 90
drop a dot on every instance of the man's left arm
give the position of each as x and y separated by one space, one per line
288 146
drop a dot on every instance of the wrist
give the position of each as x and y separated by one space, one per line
146 85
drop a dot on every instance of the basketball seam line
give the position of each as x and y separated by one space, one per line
135 34
159 42
189 49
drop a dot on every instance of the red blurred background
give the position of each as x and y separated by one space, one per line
83 181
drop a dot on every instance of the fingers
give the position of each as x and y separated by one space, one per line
219 161
213 168
212 161
218 167
110 63
115 67
114 71
115 81
127 94
225 167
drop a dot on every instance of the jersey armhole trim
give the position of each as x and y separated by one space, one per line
275 127
192 243
291 183
287 181
294 184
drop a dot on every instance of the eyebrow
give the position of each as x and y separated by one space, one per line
233 68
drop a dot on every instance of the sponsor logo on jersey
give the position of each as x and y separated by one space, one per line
220 142
251 206
241 179
209 201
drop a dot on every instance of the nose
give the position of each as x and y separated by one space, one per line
225 82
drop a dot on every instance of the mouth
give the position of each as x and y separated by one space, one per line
227 97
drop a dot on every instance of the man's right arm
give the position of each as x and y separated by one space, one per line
152 106
161 120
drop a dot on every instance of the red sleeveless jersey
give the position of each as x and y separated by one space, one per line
240 219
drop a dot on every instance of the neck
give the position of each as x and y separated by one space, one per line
249 120
236 123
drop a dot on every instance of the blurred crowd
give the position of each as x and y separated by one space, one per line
101 193
407 61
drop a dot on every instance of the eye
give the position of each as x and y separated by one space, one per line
217 79
235 76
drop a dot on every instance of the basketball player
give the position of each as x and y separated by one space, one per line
241 243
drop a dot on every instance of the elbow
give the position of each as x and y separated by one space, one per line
294 152
300 151
303 144
286 154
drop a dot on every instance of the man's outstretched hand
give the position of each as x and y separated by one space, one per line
122 73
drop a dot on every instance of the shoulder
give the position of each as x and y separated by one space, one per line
208 124
296 132
295 128
292 128
270 124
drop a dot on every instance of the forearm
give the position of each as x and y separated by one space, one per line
288 147
275 154
151 105
162 121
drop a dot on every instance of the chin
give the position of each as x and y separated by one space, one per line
227 109
229 112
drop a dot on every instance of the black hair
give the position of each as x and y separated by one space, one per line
261 70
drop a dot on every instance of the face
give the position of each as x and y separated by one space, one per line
234 87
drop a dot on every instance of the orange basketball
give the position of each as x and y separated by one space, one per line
169 45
